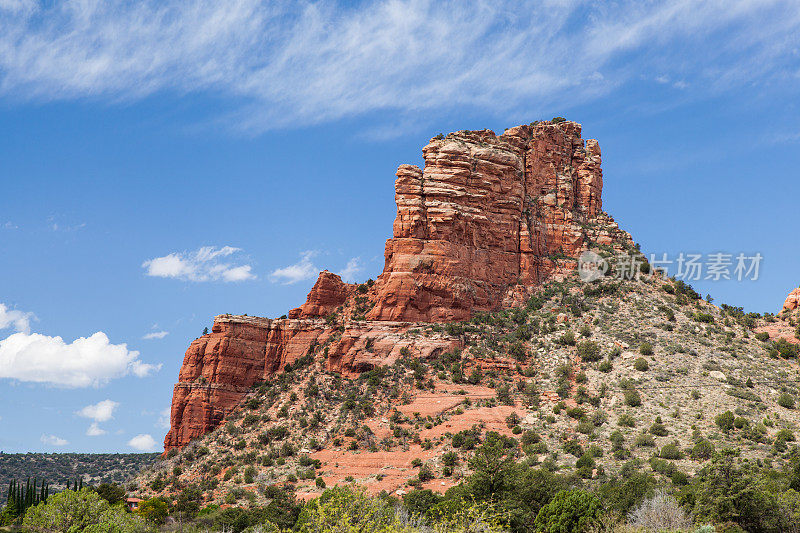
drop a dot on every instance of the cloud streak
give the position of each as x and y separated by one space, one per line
300 271
283 63
204 264
349 272
156 335
52 440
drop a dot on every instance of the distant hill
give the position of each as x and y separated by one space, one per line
57 468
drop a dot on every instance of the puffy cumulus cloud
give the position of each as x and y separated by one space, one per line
143 443
302 270
11 318
52 440
204 264
86 361
294 63
156 335
100 412
353 267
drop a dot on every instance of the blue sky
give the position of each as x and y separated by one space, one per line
164 162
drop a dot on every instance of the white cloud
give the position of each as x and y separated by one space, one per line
156 335
99 412
87 361
95 430
52 440
142 370
10 225
19 320
302 270
204 264
349 272
294 63
143 443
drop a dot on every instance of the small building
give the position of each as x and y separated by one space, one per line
133 503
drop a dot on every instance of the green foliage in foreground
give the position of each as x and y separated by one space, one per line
503 494
346 509
568 511
83 511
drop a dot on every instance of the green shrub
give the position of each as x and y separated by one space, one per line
658 429
626 420
763 336
567 339
645 440
585 465
589 351
569 511
632 398
646 348
576 412
724 421
786 400
605 367
671 451
641 364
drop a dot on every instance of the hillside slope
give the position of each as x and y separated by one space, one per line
584 377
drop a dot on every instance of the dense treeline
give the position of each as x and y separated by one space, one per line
58 468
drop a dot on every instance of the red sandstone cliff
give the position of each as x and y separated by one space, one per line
485 222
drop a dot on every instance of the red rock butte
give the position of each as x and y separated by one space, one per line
486 221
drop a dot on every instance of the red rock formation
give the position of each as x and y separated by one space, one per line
241 351
486 214
487 220
328 293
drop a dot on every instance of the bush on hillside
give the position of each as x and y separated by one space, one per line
569 511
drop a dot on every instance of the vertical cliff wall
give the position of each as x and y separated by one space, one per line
487 212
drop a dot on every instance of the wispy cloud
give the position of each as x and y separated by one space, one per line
294 63
52 440
348 273
204 264
156 335
95 430
302 270
143 443
163 418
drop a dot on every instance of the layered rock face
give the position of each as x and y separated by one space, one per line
486 213
485 222
241 351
